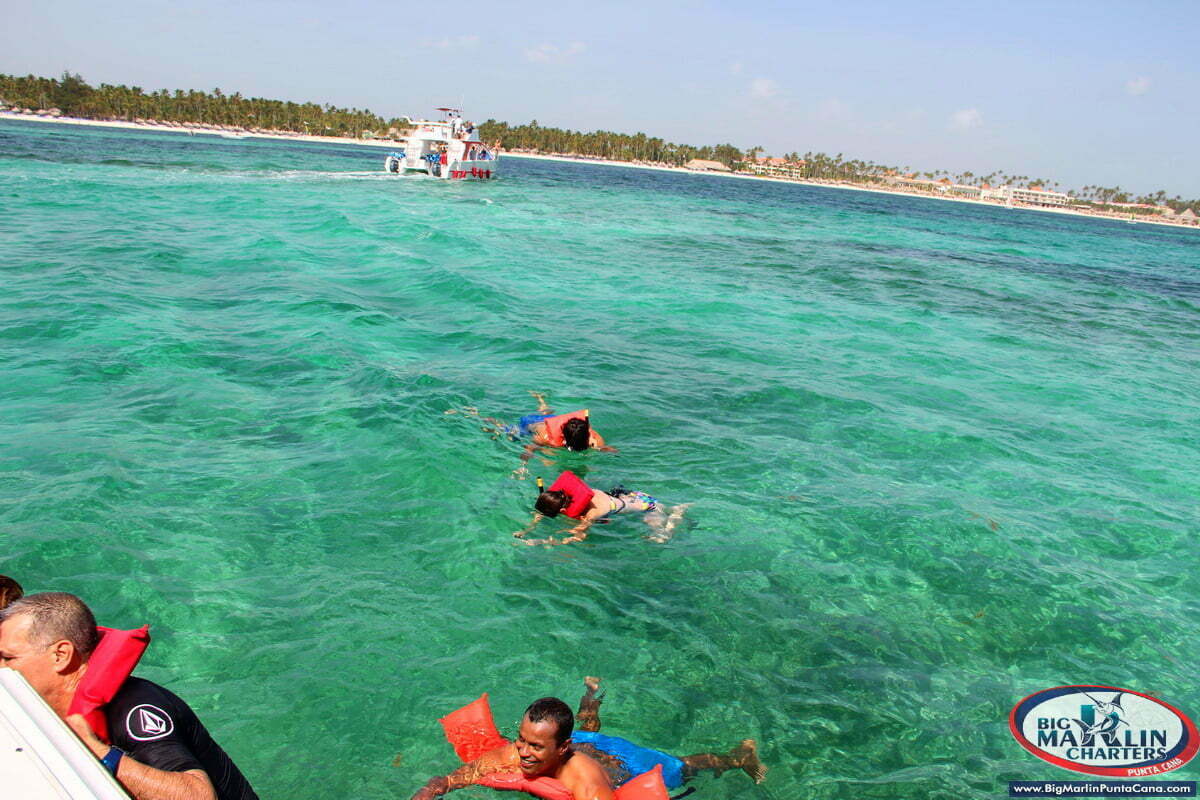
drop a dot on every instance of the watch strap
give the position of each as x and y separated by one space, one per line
111 759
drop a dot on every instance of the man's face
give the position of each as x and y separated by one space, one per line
540 752
37 663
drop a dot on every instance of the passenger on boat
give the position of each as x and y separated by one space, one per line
159 747
10 591
571 496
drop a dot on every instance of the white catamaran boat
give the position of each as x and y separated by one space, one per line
449 149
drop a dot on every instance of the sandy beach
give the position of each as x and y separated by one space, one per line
226 132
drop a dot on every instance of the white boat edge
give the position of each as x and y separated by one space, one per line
40 758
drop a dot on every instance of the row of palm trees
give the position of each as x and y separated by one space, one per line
604 144
72 96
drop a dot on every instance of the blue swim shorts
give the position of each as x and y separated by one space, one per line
528 421
635 759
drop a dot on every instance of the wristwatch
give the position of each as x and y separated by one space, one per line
111 759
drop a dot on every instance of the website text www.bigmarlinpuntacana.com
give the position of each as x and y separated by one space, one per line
1101 788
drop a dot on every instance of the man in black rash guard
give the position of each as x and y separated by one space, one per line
160 750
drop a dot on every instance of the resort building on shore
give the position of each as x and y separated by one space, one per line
1034 195
777 168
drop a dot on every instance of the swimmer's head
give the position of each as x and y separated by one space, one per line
576 434
544 739
10 591
550 504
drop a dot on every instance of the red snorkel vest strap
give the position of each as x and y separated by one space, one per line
578 493
109 666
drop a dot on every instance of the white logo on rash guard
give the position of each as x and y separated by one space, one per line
146 723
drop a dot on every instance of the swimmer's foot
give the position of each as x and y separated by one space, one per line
676 515
588 715
745 755
664 531
592 685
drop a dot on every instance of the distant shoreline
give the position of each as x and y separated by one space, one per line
236 133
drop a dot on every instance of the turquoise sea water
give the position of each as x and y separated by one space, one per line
941 456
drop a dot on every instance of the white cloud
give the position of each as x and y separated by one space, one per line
1138 86
966 119
550 53
453 43
763 88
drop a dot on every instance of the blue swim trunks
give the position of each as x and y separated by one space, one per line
521 429
635 759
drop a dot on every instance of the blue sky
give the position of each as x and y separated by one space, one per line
1077 92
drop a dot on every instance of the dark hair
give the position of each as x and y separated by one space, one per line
57 616
577 433
555 710
10 591
550 503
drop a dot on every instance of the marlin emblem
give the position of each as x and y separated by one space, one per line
1109 714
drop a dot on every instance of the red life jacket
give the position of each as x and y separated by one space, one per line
109 665
579 494
472 732
549 788
554 426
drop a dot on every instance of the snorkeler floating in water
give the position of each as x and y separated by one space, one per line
571 496
544 429
583 761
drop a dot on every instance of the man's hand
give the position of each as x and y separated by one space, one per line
435 788
80 727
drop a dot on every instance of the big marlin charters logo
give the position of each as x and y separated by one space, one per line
1102 730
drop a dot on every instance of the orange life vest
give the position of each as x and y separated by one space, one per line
109 665
579 494
554 426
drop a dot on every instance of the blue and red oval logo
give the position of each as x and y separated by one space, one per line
1103 730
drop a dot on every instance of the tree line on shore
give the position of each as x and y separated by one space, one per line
72 96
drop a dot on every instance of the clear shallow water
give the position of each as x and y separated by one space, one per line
941 456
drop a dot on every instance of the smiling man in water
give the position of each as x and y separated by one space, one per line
586 761
542 750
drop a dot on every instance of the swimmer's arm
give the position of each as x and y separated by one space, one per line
593 791
578 533
537 517
588 782
502 759
527 454
597 441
